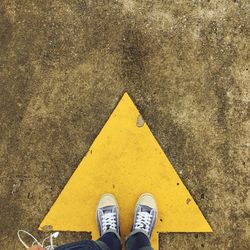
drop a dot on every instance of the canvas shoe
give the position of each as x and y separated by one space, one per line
107 214
145 216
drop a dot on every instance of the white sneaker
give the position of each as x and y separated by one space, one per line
145 214
107 214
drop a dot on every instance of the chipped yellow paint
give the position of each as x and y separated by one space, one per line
126 160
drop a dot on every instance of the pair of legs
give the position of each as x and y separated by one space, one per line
109 228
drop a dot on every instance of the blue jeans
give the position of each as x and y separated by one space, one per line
111 241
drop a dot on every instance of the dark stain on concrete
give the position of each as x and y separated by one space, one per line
133 56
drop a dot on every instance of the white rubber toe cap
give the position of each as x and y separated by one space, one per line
107 200
147 199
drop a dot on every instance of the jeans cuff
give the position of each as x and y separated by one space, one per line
115 232
102 245
135 232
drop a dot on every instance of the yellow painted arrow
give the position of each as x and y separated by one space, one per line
126 160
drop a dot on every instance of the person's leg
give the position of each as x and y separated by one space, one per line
111 241
138 240
144 221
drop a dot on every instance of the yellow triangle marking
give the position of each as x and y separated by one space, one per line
126 160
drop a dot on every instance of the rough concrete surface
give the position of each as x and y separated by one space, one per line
65 65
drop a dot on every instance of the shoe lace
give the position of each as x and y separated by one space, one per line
108 221
51 246
143 221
